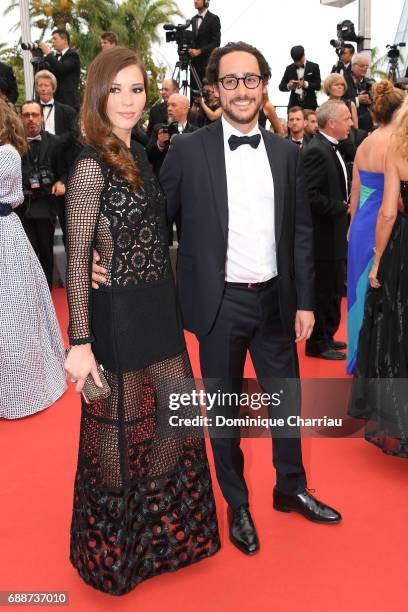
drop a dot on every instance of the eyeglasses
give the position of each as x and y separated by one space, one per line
251 81
28 115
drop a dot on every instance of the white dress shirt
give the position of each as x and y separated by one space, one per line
343 165
201 18
251 249
49 117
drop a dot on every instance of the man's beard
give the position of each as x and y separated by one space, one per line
239 118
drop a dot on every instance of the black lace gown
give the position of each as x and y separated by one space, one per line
380 385
143 501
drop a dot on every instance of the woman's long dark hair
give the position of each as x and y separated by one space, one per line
95 124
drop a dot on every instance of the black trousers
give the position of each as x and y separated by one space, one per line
40 233
330 278
249 320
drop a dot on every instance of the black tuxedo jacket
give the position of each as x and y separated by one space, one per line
68 72
156 157
327 196
52 155
65 118
194 180
6 73
207 37
312 76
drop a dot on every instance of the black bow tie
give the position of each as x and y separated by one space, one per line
301 66
46 105
236 141
298 142
335 146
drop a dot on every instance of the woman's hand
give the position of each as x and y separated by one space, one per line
80 362
372 277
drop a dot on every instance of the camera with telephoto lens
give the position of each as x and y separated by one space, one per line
37 59
345 33
184 38
393 51
170 128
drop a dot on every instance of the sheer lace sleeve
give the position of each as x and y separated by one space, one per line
83 203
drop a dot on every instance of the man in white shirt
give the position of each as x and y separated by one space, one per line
296 127
245 275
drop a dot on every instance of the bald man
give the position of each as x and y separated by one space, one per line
178 108
158 112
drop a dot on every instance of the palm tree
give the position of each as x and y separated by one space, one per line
377 64
136 22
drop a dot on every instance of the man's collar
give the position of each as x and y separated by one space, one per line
49 101
329 138
203 14
230 130
63 51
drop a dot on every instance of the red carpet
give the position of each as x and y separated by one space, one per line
360 564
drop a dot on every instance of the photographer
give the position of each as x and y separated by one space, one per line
343 67
362 88
178 110
206 107
302 79
66 66
44 177
158 112
207 36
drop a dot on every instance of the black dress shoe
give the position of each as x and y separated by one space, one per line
305 504
337 345
329 354
242 530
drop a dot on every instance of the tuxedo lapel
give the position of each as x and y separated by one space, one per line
276 163
326 143
213 142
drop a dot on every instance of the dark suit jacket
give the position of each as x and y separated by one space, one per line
312 76
194 180
68 72
6 73
306 140
51 155
327 195
156 157
207 37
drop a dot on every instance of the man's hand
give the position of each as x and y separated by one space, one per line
163 139
194 52
44 48
98 273
304 323
58 189
292 85
364 98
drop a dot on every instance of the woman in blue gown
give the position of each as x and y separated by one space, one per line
365 202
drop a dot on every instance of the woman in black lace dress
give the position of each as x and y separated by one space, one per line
143 502
380 385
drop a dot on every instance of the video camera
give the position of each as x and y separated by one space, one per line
394 52
184 38
345 33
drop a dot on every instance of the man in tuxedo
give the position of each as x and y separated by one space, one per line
158 112
326 181
311 125
61 120
44 175
296 127
178 111
362 88
66 66
207 36
343 67
11 90
245 270
302 79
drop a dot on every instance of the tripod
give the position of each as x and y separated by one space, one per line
181 73
393 70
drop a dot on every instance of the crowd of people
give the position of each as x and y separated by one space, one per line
272 225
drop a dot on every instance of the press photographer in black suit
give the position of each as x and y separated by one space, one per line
61 120
207 36
302 79
158 112
44 176
66 66
326 181
343 67
11 90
